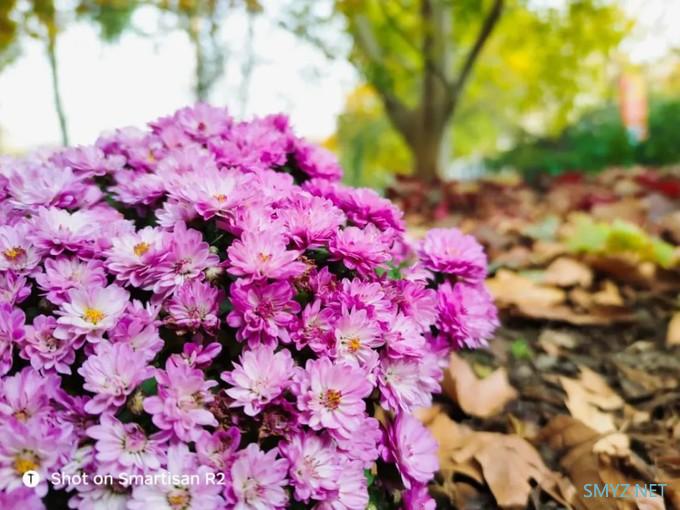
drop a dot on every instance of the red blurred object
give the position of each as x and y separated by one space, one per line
599 198
571 177
663 184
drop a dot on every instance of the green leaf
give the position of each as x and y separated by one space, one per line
520 349
149 386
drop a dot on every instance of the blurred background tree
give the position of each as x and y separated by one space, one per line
38 19
462 77
525 83
201 21
44 20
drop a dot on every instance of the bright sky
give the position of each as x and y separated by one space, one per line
138 79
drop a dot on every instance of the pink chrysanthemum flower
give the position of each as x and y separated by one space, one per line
264 255
310 221
91 311
261 376
22 498
262 312
195 305
112 374
316 328
314 467
467 315
364 446
362 295
178 496
45 351
330 395
14 289
124 448
408 383
180 406
31 446
317 161
26 396
418 498
57 230
188 255
218 450
352 493
403 337
203 121
133 256
12 332
96 250
257 480
449 251
63 274
16 250
360 249
413 449
212 192
364 206
140 333
415 301
356 338
89 161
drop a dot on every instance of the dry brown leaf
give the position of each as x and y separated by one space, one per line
589 398
545 251
648 382
616 444
629 209
552 341
511 288
673 491
477 397
451 436
538 301
575 442
590 458
673 333
608 296
568 272
508 464
564 313
625 268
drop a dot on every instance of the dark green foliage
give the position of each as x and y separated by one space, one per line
597 141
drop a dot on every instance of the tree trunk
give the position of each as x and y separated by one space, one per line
200 85
54 68
427 153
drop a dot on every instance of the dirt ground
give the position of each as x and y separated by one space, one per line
579 391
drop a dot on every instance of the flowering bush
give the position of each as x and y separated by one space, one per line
202 317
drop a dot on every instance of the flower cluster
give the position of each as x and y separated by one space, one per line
206 303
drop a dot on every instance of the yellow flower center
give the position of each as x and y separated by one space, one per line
25 461
178 500
221 197
331 400
21 415
264 257
93 316
141 248
14 253
353 344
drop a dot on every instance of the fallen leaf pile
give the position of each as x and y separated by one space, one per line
581 386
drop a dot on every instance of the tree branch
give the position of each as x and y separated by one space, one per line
484 33
400 115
